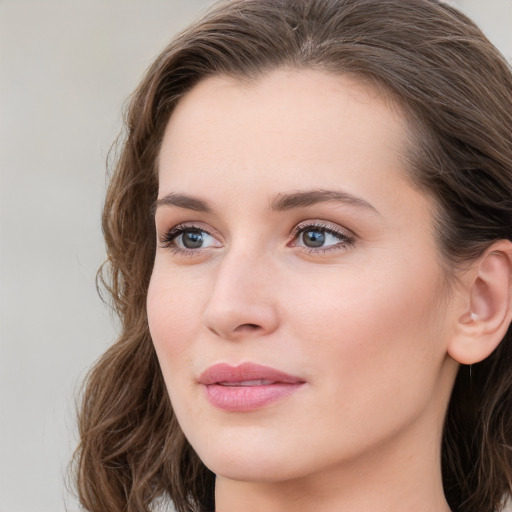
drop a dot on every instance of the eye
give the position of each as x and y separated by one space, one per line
321 237
188 238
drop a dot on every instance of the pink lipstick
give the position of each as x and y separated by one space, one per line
246 387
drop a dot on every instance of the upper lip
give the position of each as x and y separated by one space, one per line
226 373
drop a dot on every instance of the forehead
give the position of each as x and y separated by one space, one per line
286 128
306 103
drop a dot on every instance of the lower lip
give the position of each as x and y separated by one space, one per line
248 398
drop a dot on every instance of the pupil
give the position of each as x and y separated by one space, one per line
192 240
313 238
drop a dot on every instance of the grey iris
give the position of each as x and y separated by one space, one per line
313 238
192 239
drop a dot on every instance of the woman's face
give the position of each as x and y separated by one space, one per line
289 238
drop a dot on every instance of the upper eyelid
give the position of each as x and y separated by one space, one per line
170 234
326 225
316 223
200 226
190 226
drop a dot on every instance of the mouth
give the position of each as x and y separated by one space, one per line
247 387
255 382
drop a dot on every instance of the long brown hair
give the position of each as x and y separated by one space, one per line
455 89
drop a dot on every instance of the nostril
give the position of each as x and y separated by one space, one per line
247 327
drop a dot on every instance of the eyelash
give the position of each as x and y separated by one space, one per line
346 239
168 240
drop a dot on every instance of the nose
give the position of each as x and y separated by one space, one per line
242 303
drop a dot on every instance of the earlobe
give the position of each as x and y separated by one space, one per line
485 321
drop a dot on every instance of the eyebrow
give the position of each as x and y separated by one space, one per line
182 201
311 197
281 202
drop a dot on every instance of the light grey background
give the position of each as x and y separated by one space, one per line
66 68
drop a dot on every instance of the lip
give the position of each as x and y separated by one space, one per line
247 387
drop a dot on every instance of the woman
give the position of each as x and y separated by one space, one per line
309 246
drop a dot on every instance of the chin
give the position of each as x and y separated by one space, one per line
250 461
249 470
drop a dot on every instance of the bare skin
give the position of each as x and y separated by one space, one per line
344 290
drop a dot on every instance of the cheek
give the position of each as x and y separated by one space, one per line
372 345
173 317
370 327
174 308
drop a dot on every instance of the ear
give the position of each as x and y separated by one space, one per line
487 305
